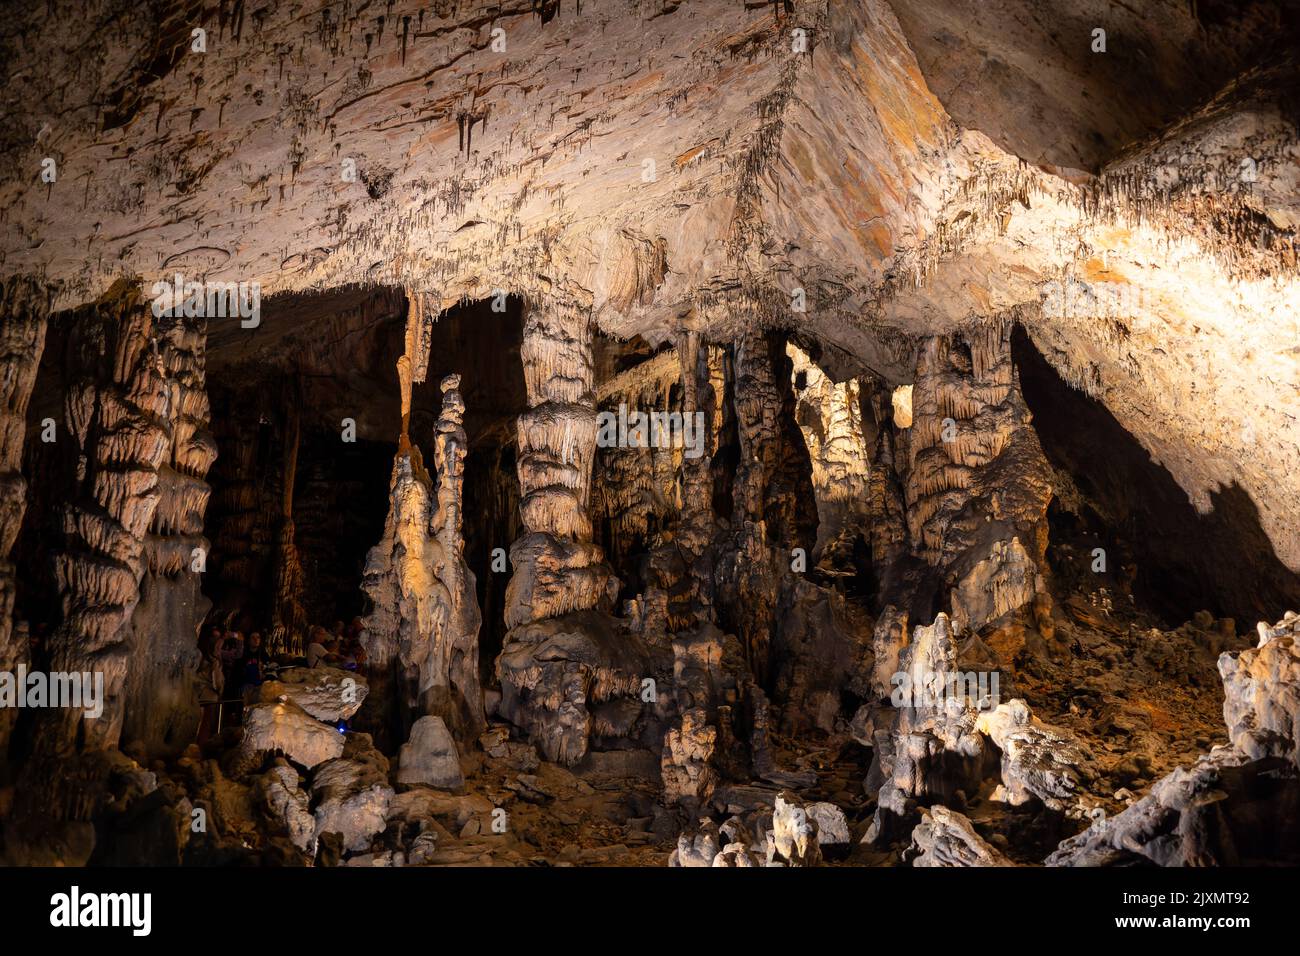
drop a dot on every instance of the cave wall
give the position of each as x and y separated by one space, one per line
24 313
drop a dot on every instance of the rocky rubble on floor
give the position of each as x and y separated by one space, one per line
947 838
1238 804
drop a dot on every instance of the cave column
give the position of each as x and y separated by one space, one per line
562 654
288 617
703 377
977 484
774 503
118 414
161 710
24 314
557 568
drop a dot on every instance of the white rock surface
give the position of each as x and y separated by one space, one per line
288 729
430 757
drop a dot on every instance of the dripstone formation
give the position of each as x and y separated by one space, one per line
833 433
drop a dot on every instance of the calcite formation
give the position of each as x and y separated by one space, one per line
977 482
979 327
1236 804
23 316
946 838
931 748
563 651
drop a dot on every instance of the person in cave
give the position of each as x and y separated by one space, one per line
232 667
253 666
322 647
211 647
353 654
210 691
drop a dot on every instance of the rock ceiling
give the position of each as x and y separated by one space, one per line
912 166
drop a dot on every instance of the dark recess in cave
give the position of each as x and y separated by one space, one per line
1222 562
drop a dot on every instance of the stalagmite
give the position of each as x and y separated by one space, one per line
932 748
563 652
422 633
946 838
830 416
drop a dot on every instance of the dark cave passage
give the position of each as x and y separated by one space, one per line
1178 560
482 345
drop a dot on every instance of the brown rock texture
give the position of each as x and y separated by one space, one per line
23 316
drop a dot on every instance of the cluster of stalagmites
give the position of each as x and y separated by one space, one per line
1238 804
721 610
422 633
947 738
792 833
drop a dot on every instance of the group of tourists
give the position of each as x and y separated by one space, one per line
234 667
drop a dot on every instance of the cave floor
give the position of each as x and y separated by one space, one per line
1143 699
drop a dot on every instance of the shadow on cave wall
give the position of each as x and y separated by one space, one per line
1222 561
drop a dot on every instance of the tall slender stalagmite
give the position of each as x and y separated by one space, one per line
422 632
24 313
288 616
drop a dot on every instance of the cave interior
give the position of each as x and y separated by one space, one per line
883 455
